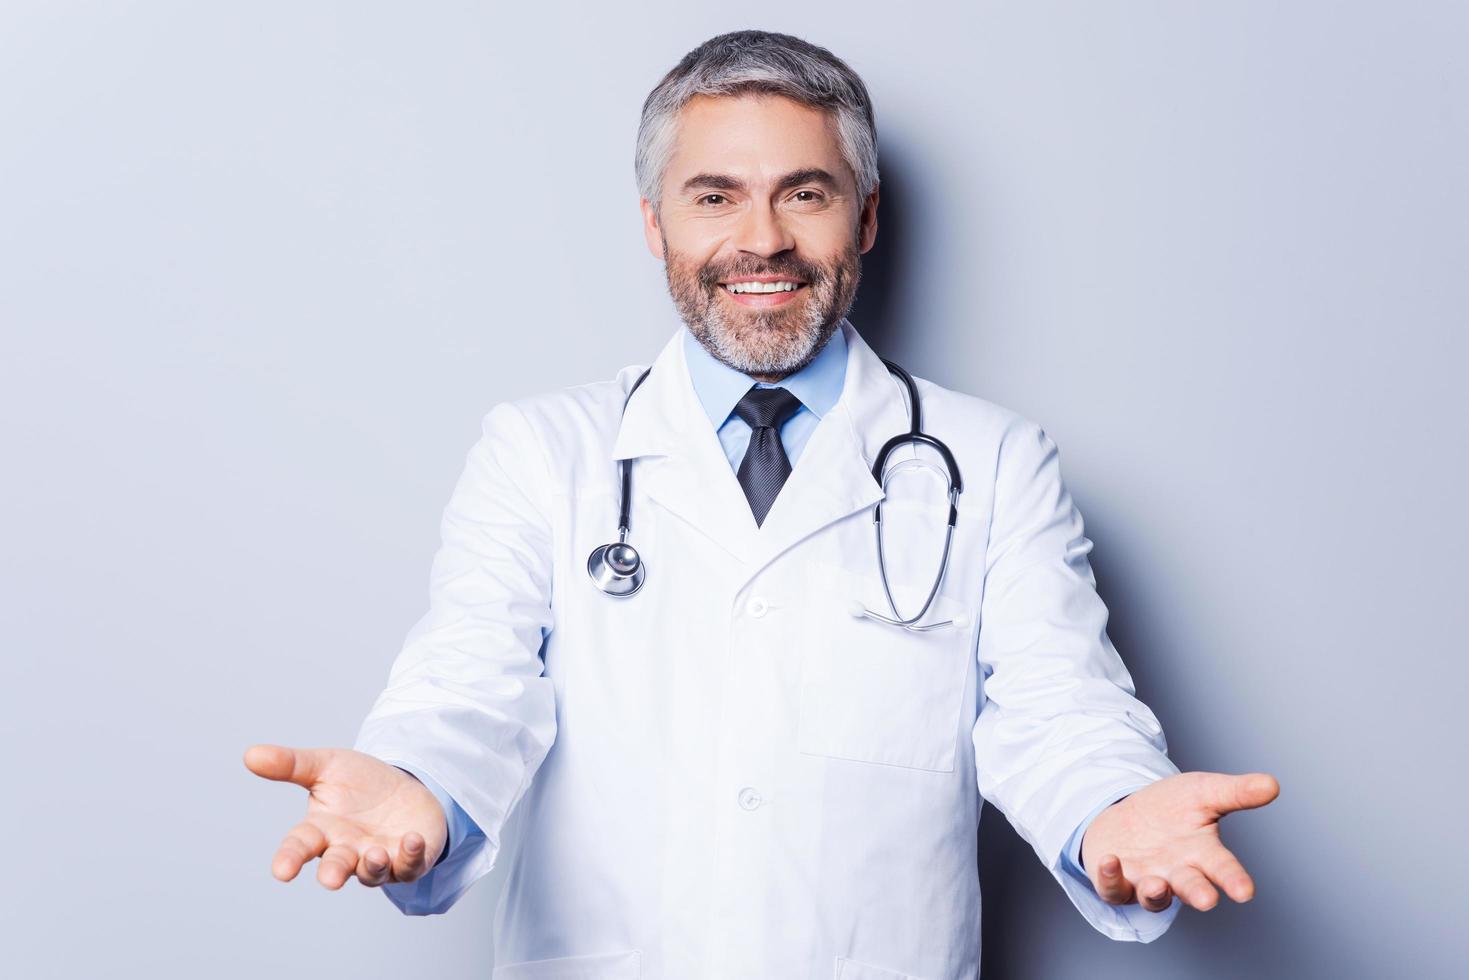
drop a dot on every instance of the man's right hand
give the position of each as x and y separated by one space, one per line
364 817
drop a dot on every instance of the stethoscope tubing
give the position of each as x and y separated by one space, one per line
613 581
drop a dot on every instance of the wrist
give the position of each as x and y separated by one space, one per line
445 824
1098 817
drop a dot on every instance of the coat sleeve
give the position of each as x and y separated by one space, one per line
1059 731
466 701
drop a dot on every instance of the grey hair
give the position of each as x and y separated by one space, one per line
760 62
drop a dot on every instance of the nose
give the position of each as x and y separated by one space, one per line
762 231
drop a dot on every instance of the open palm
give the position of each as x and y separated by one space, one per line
363 817
1163 841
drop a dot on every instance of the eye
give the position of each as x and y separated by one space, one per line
814 198
707 197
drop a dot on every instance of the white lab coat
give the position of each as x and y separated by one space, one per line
727 775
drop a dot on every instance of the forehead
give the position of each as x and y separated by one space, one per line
754 137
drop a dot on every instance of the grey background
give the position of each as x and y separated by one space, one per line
264 266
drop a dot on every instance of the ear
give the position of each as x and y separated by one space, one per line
867 221
652 234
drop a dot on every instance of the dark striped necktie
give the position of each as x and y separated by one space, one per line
764 468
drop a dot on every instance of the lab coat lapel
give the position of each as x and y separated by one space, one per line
832 477
681 464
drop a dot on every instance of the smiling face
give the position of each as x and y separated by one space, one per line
760 230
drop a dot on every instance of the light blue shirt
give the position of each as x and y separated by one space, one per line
818 385
720 387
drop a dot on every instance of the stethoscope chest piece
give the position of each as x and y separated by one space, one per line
617 568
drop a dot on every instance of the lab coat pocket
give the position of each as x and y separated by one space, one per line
623 965
873 692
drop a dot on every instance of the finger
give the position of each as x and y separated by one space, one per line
373 866
1154 893
412 859
304 842
299 766
336 866
1226 871
1190 885
1111 885
1227 793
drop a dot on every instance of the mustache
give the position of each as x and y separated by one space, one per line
792 268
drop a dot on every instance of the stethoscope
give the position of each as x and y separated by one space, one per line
618 570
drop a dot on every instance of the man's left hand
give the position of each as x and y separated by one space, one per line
1163 840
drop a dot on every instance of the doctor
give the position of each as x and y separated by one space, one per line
734 772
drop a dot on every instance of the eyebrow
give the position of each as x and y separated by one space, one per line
724 182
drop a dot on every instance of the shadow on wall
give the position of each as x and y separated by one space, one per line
1031 929
877 310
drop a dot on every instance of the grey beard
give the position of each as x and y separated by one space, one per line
774 353
755 344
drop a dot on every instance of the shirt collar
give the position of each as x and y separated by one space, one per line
720 387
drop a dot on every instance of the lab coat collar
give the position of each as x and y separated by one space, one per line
687 472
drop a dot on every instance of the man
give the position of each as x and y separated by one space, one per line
725 774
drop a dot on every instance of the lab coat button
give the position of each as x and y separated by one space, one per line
757 606
750 798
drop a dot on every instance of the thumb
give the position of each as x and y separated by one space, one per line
300 766
1227 793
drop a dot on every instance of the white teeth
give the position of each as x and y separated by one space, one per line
783 286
